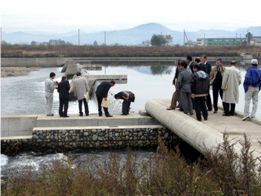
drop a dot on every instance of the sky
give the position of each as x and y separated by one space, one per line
106 15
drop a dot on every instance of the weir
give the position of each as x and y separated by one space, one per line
207 135
42 133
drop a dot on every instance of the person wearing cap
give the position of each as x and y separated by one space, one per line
230 85
252 85
49 89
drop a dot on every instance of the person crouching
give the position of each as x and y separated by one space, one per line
127 97
199 91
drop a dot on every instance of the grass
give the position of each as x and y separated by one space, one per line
166 173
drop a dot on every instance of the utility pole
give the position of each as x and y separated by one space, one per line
105 38
204 42
79 40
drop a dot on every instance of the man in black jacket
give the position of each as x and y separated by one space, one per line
127 97
204 60
63 90
102 93
199 91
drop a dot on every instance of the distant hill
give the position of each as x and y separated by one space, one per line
132 36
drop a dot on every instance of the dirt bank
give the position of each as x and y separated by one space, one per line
16 71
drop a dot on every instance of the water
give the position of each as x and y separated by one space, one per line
29 161
25 95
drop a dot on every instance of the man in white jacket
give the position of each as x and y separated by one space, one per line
49 89
81 88
230 85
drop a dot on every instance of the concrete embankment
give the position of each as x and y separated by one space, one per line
206 135
41 133
58 61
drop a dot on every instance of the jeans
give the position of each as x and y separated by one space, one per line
251 94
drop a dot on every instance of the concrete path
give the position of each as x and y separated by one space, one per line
22 125
233 125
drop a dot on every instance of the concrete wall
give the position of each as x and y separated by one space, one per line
17 125
55 139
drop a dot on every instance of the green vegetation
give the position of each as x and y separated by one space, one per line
160 40
166 173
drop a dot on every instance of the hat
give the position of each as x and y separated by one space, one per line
254 62
233 62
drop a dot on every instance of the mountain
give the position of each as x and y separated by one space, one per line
132 36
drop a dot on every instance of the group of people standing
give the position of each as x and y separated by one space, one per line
79 86
193 80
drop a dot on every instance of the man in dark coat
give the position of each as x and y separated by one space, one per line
102 93
63 90
127 97
199 91
208 66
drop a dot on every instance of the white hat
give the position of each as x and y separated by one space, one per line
254 62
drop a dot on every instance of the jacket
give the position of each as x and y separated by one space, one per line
200 84
230 85
80 87
63 89
126 95
184 81
252 78
103 89
213 73
208 67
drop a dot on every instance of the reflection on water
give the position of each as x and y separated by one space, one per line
25 94
155 69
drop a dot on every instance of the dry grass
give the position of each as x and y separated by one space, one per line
110 51
166 173
16 71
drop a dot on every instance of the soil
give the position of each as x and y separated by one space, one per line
16 71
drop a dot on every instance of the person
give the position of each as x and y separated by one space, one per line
190 63
184 86
208 66
199 91
127 97
63 90
201 66
230 85
80 88
252 85
216 76
49 89
176 94
102 93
